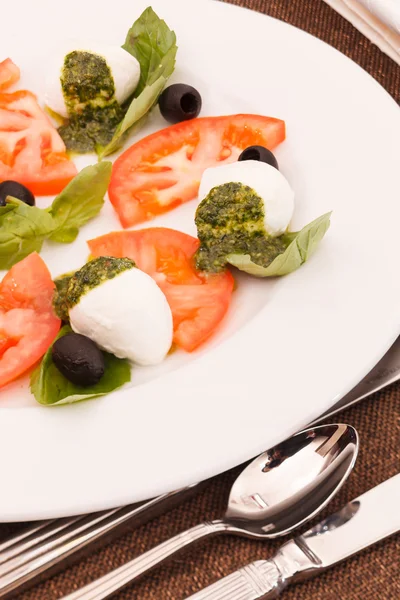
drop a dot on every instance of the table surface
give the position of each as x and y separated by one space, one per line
374 573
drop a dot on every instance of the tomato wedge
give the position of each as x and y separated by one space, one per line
9 73
28 325
31 150
198 301
164 170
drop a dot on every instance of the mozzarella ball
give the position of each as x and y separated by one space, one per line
128 316
268 183
124 67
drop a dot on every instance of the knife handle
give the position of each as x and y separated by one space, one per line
258 580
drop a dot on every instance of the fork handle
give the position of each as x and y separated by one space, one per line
109 584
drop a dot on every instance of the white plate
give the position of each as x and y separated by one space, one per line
289 349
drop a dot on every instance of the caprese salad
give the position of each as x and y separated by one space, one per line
143 291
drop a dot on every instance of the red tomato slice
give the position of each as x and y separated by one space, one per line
31 150
198 301
9 73
164 170
28 325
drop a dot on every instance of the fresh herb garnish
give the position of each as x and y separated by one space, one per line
153 44
24 228
135 116
80 201
51 388
299 247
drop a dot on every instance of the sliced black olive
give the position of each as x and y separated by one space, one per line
180 102
261 154
79 359
16 190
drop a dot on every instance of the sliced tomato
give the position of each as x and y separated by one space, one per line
28 325
164 170
9 73
31 150
198 301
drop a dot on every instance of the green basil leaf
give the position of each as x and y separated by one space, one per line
51 388
300 246
23 229
153 44
79 202
135 116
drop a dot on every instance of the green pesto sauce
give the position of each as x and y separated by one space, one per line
60 297
230 220
89 94
94 273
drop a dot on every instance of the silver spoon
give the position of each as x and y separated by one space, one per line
277 492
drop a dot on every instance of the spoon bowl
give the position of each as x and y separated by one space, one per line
290 483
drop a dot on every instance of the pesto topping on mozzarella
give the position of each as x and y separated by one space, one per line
231 220
89 93
60 297
86 80
93 274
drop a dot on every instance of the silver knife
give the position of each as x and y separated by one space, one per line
366 520
386 372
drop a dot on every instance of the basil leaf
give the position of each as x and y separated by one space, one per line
300 246
135 116
79 202
51 388
23 229
153 44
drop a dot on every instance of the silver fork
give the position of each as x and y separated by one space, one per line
49 546
44 548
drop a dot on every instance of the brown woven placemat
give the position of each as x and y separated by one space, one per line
373 574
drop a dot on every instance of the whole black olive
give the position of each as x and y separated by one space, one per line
261 154
79 359
180 102
16 190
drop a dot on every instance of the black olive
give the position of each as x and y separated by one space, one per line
79 359
261 154
16 190
180 102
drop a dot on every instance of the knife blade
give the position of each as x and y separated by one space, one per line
386 372
364 521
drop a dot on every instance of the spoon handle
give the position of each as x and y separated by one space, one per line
109 584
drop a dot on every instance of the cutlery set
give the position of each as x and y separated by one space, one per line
366 520
276 493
